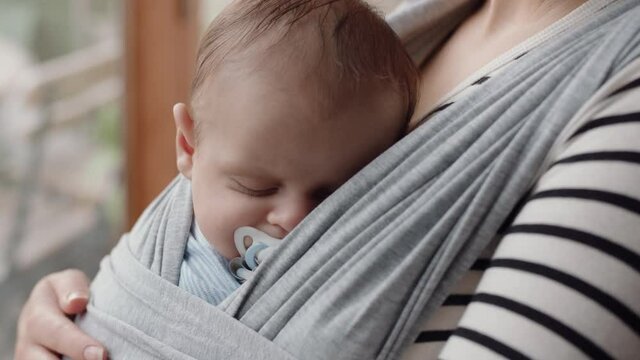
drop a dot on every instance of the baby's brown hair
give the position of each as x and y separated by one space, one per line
362 45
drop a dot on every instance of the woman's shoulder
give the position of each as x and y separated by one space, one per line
615 103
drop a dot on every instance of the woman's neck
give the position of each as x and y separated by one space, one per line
496 15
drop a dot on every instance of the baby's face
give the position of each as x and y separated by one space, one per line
270 150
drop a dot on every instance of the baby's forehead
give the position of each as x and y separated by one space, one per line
284 108
288 95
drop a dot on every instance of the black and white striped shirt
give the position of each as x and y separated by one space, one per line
563 279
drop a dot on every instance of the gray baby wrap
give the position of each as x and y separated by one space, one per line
379 256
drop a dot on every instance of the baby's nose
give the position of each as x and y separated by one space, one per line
290 213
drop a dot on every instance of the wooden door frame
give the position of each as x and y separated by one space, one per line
160 42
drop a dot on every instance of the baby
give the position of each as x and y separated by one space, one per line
290 99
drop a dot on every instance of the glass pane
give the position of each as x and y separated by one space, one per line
61 153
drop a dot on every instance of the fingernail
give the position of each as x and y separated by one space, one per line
93 352
76 295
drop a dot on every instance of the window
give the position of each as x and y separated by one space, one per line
61 154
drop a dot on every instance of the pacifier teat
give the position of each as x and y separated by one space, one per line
254 247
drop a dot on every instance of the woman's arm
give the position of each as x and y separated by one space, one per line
565 280
44 327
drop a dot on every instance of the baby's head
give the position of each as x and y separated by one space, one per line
290 99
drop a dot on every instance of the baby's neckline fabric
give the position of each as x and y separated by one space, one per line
204 271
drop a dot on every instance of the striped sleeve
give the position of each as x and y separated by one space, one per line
564 282
435 332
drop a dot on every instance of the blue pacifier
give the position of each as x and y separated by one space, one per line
261 246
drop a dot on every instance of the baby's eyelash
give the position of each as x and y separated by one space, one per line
258 193
253 192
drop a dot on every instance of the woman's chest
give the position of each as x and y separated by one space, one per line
464 54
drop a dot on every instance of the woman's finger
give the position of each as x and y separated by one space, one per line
34 352
71 288
43 324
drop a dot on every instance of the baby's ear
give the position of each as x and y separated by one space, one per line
185 139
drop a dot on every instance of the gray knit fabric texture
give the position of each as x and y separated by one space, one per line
354 279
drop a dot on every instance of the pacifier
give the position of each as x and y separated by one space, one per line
254 247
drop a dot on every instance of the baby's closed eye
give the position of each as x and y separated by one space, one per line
253 187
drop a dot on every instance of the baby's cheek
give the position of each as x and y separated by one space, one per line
219 233
221 218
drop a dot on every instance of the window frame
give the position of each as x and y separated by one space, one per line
160 42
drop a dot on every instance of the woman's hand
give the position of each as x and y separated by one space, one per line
44 328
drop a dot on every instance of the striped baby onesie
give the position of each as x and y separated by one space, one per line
204 272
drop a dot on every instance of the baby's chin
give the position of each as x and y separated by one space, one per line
227 250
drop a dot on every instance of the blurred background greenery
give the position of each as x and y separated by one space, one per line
61 142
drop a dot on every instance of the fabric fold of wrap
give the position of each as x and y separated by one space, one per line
144 316
354 279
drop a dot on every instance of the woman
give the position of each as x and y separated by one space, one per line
571 249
